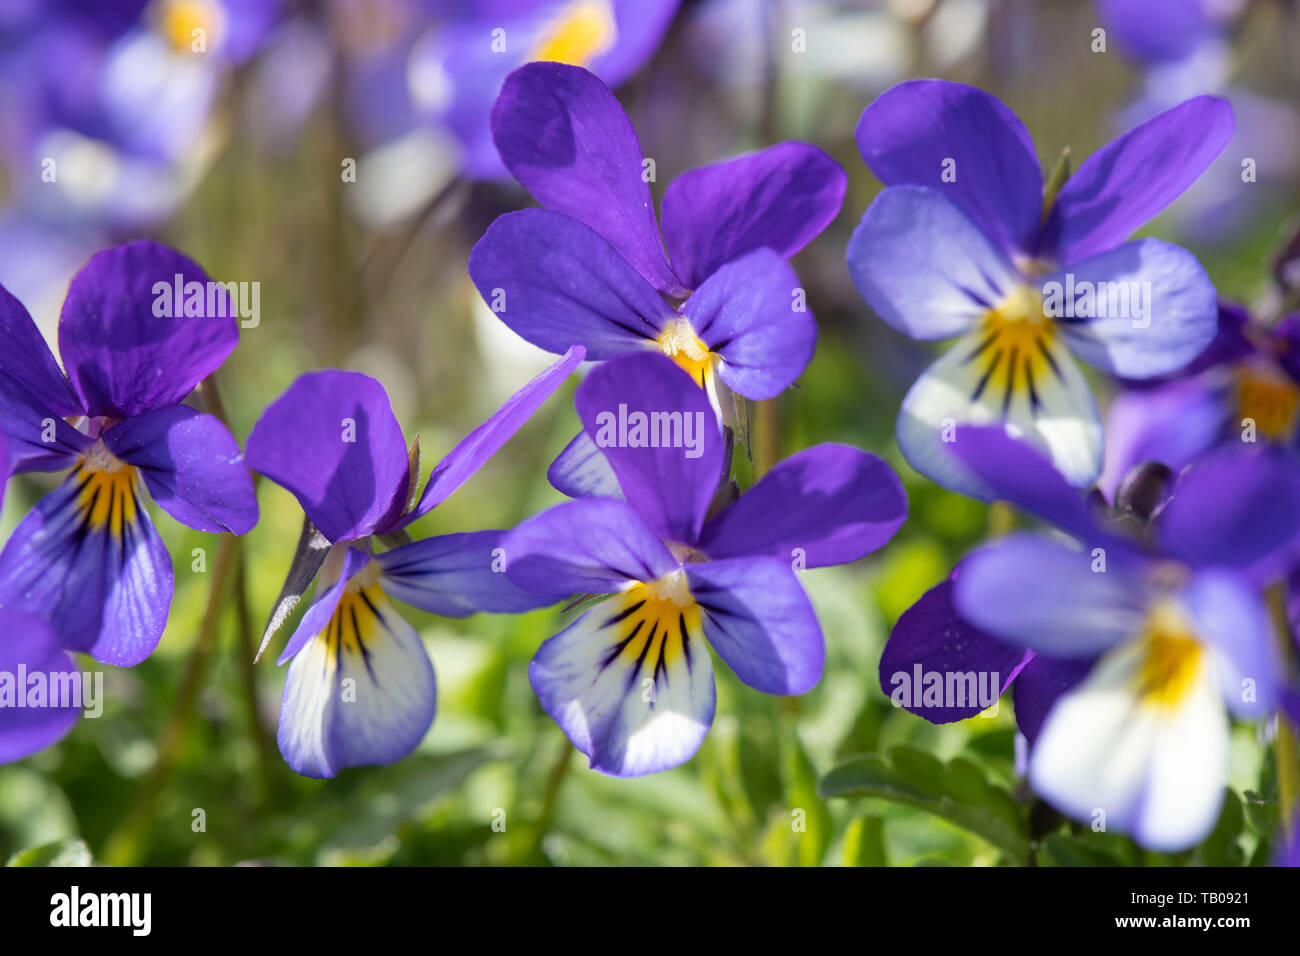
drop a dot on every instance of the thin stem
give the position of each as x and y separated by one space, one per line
123 847
267 761
1286 746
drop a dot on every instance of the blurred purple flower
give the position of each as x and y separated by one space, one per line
1147 641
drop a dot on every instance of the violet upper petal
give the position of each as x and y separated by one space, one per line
1131 179
557 283
1237 509
122 356
26 359
192 466
779 198
562 133
332 440
963 142
829 504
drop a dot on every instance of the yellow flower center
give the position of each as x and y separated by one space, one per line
106 490
1268 398
1015 349
680 343
653 622
191 26
1171 657
359 615
582 31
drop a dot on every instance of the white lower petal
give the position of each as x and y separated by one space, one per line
1044 400
629 683
1110 757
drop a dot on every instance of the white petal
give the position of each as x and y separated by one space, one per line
1156 771
1045 401
631 687
362 691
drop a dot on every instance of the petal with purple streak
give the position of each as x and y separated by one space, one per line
924 267
752 315
563 135
455 575
87 559
829 504
779 198
758 618
964 142
589 546
192 466
557 283
670 469
630 683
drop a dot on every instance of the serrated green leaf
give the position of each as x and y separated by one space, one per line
958 792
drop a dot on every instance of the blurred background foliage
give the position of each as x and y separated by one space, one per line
495 781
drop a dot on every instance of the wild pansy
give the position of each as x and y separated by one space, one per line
1154 619
590 267
86 557
959 245
685 562
459 67
361 688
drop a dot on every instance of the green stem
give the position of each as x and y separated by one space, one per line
125 845
268 763
1286 746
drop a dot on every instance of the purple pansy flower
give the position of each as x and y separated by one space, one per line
958 245
631 680
87 557
1174 622
591 267
471 56
361 688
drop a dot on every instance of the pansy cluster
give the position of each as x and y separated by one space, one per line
1147 615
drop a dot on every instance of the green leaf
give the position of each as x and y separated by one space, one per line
864 843
957 791
1222 847
1062 849
58 853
